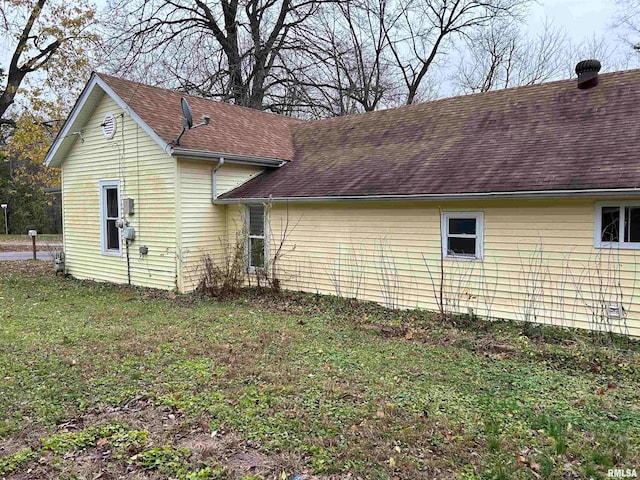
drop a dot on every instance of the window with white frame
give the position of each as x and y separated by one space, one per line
617 224
256 239
462 235
109 215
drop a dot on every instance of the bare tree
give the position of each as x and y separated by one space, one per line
45 36
298 57
501 56
420 30
353 57
627 22
600 48
239 44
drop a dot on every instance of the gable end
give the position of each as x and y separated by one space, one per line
84 108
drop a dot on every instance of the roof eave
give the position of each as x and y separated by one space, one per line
56 154
521 195
228 157
52 159
59 148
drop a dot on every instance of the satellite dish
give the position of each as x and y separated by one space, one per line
187 120
186 113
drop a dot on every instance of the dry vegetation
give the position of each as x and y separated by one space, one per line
101 381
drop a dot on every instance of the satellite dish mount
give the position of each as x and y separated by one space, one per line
187 120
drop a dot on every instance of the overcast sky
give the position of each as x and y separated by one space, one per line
581 19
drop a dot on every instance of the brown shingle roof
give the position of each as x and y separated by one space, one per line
536 138
233 130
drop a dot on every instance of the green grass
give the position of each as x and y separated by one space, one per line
26 238
307 384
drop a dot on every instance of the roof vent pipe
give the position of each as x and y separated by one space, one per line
587 71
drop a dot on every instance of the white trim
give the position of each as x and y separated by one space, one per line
189 154
265 238
66 128
129 111
597 231
479 235
103 185
169 149
524 195
94 81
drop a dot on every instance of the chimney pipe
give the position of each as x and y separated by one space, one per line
587 71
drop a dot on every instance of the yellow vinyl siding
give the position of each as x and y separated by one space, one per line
233 175
203 226
539 260
539 264
146 174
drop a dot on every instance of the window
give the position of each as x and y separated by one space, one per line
617 224
462 235
256 241
109 214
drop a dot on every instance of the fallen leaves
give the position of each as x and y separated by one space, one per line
525 462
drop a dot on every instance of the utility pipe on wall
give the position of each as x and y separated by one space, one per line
214 188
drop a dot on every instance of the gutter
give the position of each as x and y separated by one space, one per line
522 195
228 157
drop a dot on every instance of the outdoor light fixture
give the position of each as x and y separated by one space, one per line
6 225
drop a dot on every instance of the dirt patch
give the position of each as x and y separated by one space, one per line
26 246
83 465
241 458
9 446
166 427
27 268
489 345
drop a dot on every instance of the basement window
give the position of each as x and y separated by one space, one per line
617 225
462 235
256 238
109 215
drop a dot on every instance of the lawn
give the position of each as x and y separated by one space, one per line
46 237
23 243
130 383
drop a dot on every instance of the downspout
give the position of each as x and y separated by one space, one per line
214 188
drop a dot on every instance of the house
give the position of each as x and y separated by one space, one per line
521 203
